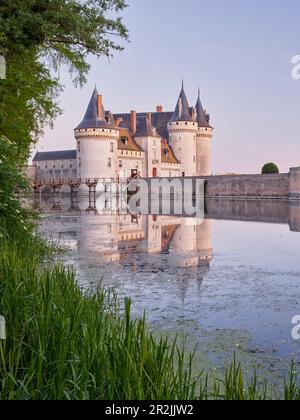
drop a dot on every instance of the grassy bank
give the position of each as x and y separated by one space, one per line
63 343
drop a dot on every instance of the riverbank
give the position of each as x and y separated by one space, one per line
63 343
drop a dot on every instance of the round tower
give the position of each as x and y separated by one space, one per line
203 143
183 130
97 142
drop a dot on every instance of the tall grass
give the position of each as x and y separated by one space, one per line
64 343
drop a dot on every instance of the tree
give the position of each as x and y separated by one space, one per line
270 168
36 38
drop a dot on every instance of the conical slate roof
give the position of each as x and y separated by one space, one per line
182 110
201 117
94 117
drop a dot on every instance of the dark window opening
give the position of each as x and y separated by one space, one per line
124 140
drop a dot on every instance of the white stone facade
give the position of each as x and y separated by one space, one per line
152 145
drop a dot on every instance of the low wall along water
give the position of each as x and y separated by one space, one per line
274 186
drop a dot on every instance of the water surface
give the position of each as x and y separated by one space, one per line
229 284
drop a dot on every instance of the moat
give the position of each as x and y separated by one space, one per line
228 284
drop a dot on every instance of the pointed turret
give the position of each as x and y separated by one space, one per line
204 138
201 116
97 142
95 114
182 110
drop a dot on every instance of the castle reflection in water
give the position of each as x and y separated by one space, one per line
103 232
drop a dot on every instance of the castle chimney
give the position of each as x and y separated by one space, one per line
133 122
100 106
119 121
194 113
159 108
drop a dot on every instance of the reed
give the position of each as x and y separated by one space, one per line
64 343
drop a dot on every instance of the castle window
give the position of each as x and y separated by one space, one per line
109 162
194 159
78 147
124 141
111 147
166 152
120 164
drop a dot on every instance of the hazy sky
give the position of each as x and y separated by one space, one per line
239 52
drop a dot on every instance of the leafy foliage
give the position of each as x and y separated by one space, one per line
36 38
270 168
13 217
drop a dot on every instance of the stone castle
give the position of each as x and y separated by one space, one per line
118 146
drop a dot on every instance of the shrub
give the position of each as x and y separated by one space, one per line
270 168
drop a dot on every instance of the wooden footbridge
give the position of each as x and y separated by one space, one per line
109 184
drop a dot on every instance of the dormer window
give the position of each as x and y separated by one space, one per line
124 141
166 152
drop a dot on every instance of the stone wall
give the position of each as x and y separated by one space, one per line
274 186
295 183
249 186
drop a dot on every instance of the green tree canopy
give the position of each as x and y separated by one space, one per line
270 168
63 31
36 38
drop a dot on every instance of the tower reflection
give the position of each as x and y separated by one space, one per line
106 233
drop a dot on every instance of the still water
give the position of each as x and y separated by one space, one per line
230 283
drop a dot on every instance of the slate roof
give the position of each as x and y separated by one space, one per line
202 118
94 117
60 155
145 128
182 110
159 121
